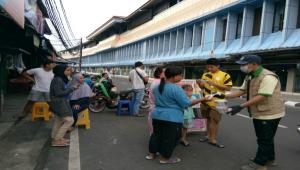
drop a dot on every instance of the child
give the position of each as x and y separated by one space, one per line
158 74
188 115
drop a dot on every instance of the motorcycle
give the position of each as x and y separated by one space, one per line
104 99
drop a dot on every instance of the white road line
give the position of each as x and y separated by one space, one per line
74 152
244 116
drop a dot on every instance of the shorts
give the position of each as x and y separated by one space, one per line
39 96
188 123
211 113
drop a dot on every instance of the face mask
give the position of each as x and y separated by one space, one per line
245 69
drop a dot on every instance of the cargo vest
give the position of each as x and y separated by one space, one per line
273 104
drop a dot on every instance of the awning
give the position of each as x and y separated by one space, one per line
15 9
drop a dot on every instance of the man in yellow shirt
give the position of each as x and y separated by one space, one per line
214 81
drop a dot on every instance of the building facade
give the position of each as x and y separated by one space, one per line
188 32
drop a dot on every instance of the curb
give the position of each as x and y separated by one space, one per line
292 104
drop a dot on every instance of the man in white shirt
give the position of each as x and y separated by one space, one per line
138 79
42 78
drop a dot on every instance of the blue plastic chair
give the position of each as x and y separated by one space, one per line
124 104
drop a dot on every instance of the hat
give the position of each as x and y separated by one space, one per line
249 59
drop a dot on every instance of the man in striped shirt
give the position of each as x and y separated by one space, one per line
213 81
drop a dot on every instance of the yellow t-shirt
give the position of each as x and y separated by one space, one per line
220 78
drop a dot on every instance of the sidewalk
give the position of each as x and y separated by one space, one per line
22 144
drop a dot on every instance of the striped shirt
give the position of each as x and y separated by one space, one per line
220 78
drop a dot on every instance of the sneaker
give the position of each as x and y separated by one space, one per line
272 163
298 129
253 166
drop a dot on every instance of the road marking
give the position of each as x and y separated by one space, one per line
244 116
74 152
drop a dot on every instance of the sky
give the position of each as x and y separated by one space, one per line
87 15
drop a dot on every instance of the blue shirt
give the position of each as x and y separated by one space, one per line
169 105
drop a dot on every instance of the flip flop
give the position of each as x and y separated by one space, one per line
216 145
60 144
203 139
171 161
184 144
149 157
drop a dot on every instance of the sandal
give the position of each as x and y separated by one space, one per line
60 143
184 144
150 157
205 139
216 145
170 161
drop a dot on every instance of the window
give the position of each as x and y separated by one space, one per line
224 25
257 21
239 25
278 16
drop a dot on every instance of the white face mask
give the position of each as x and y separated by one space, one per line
245 69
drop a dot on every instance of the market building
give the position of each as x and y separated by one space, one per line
188 32
23 46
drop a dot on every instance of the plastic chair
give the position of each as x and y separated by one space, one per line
124 104
84 119
40 110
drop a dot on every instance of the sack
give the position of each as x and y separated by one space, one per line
200 124
145 82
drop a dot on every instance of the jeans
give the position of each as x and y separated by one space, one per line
137 99
265 131
165 137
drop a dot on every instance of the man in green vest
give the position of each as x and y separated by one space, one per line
265 105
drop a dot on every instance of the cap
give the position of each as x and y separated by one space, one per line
249 59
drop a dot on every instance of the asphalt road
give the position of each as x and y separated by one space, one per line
121 142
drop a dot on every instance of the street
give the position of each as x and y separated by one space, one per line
121 142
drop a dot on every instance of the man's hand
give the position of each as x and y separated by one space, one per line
233 110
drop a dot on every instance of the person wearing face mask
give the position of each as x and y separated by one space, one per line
265 105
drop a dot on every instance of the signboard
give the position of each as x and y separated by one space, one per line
15 8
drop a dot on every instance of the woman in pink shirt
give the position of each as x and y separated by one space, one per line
158 74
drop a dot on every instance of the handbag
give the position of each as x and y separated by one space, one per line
144 81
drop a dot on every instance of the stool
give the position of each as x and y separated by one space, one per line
40 110
124 103
84 119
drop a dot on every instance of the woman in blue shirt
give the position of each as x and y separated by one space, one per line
170 102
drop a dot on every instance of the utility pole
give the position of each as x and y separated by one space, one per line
80 54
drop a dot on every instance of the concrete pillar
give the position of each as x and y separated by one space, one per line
231 28
267 19
290 17
290 80
247 26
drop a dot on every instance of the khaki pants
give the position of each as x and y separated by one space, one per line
61 126
213 119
